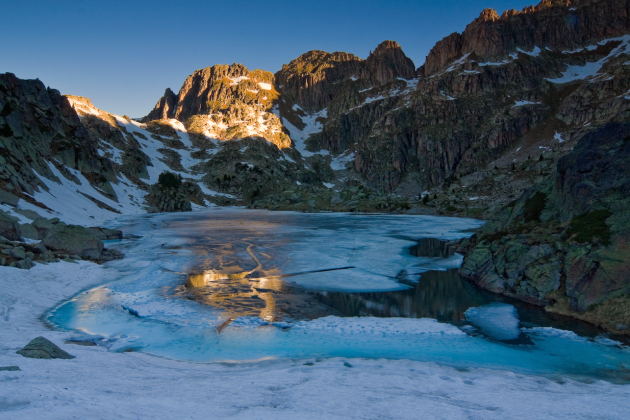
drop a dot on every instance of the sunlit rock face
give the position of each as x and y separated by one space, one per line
225 102
563 25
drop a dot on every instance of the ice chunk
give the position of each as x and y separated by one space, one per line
496 320
248 322
381 326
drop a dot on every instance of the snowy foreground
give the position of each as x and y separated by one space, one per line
103 384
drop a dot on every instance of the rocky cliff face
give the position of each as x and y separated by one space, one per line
563 244
559 25
503 80
225 102
165 108
40 131
317 78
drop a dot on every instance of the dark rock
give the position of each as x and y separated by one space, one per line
169 195
39 126
564 25
41 348
165 107
81 343
29 231
10 227
111 254
315 78
387 62
10 368
106 234
43 226
8 198
74 240
551 258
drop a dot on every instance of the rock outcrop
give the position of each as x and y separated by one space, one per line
78 241
10 227
564 244
169 195
39 128
503 80
165 108
225 102
316 78
42 348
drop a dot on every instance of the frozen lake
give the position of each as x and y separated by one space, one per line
239 285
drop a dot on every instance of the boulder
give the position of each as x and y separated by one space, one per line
41 348
9 227
43 225
8 198
74 240
106 234
29 231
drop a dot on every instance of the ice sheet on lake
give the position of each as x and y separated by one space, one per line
381 326
497 320
375 247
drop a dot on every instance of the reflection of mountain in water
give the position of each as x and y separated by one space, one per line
443 295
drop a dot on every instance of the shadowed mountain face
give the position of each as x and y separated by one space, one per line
564 244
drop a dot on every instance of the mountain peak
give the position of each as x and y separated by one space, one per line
385 46
387 62
488 15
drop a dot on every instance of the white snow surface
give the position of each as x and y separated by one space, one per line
312 126
534 53
82 210
591 69
338 163
237 80
522 103
558 136
117 385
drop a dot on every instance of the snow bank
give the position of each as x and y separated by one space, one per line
299 136
522 103
590 69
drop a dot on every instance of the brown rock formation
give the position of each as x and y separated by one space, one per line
387 62
224 102
214 86
314 79
164 109
556 24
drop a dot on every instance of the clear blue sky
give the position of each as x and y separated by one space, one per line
123 54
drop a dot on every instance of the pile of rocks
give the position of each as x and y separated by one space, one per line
50 240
